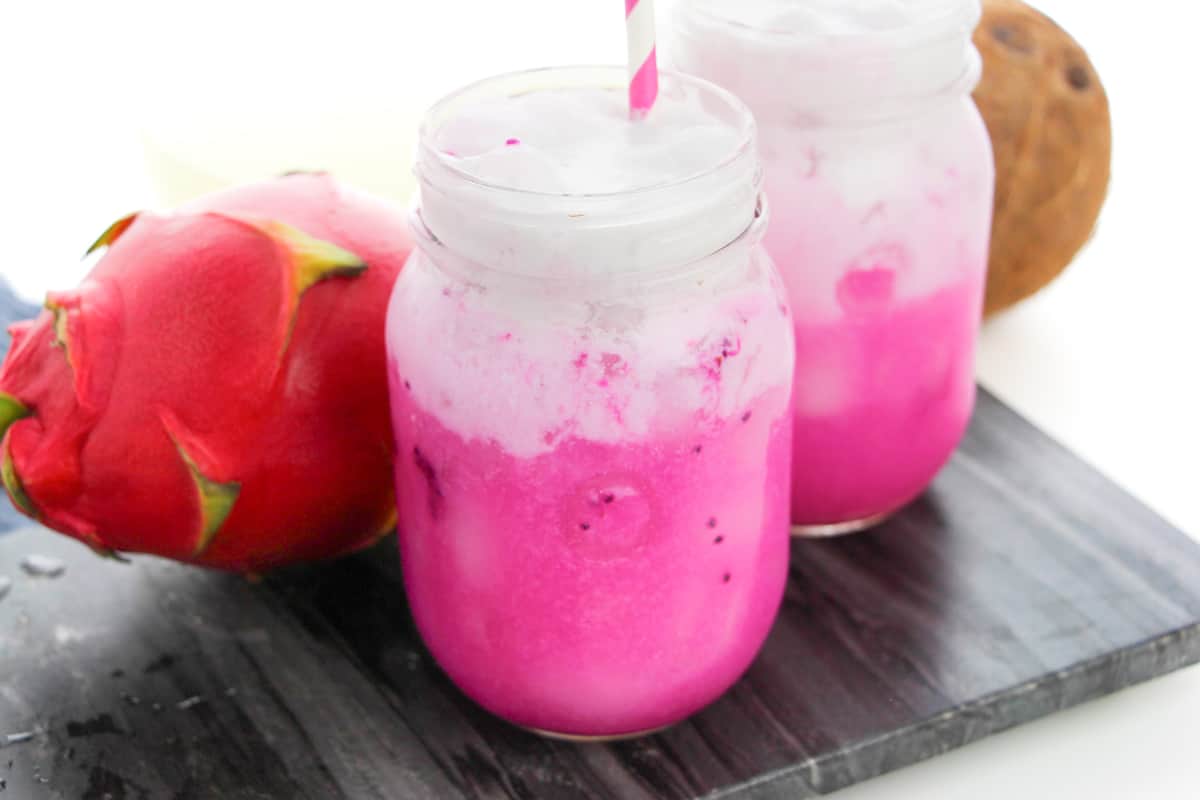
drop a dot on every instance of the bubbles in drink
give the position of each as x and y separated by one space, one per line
608 518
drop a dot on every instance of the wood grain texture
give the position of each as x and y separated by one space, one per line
1022 583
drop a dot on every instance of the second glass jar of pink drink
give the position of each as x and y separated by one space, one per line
591 362
880 177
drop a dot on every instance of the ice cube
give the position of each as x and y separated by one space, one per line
693 151
521 166
557 121
488 124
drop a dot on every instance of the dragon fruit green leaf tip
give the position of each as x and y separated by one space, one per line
215 391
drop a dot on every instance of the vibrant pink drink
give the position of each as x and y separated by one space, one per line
880 178
596 588
866 451
590 394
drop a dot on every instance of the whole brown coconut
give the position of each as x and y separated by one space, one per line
1048 116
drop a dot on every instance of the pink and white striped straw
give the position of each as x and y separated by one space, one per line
643 57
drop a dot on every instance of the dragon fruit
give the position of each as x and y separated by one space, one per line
215 390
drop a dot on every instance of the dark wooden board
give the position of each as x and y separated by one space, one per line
1023 583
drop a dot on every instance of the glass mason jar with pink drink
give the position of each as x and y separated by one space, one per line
880 177
591 358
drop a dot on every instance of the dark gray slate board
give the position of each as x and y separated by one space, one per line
1023 583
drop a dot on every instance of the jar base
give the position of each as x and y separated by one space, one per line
580 739
839 528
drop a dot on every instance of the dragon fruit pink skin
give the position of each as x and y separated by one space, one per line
215 391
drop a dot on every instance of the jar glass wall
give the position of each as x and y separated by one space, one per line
880 176
591 407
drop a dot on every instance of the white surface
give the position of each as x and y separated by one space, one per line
1106 360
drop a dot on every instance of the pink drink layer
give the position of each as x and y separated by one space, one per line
880 177
885 270
590 362
884 395
598 588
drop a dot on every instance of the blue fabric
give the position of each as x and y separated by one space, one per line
12 309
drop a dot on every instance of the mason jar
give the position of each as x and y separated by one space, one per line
880 177
590 361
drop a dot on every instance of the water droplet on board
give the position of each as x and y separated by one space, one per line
5 586
40 566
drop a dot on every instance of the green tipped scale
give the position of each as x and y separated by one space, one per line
12 482
60 325
11 410
216 500
315 259
62 336
112 232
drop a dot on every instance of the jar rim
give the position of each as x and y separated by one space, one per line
944 18
603 77
425 240
848 79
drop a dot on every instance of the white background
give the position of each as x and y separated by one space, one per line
1106 360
